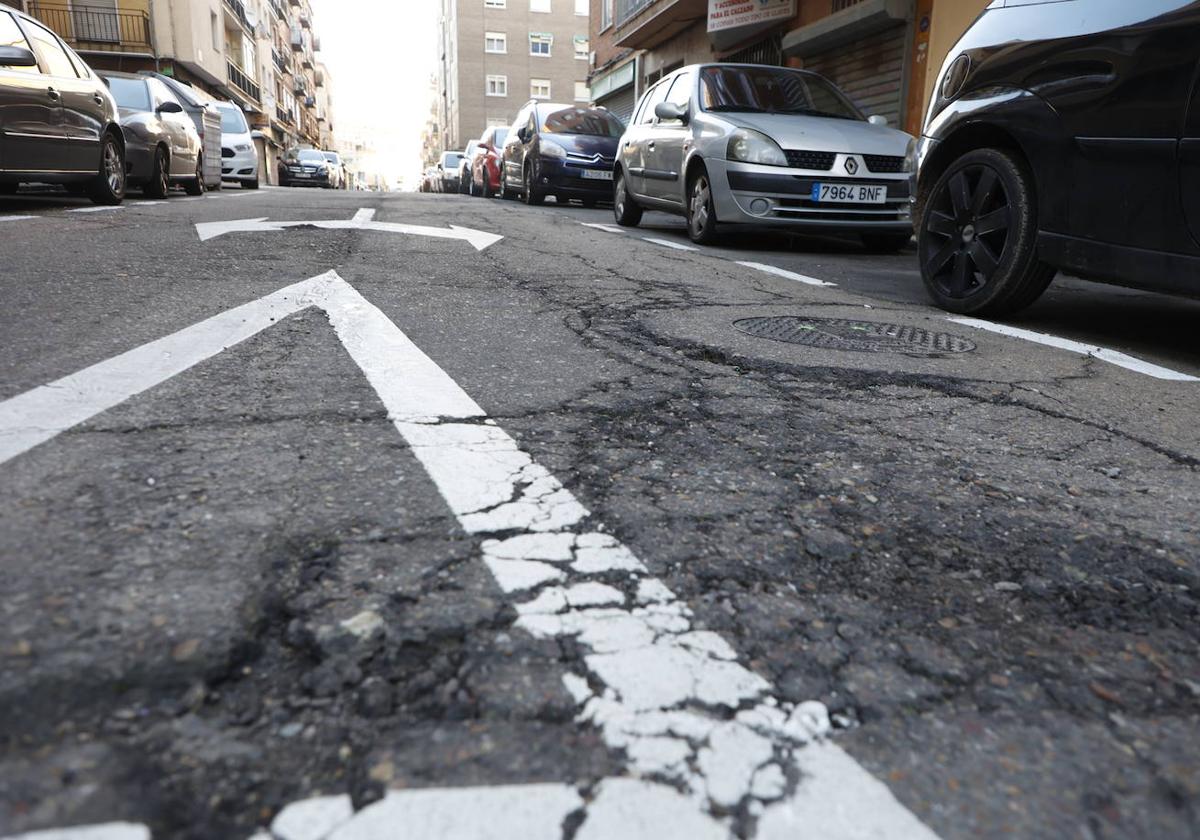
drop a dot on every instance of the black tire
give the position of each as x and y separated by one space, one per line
977 241
533 197
505 192
250 185
160 172
108 187
886 243
625 209
701 210
196 185
486 189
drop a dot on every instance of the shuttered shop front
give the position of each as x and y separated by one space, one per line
620 103
869 70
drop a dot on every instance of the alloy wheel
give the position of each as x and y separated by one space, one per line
114 169
163 174
967 226
698 218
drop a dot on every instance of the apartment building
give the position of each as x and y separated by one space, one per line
496 55
261 54
883 53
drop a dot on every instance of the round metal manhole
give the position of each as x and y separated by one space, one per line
855 336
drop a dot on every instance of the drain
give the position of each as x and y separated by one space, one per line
855 336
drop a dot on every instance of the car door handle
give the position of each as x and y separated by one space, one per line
53 94
98 99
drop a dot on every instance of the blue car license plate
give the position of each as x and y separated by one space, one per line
849 193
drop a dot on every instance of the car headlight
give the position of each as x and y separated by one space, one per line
755 147
242 147
553 150
910 156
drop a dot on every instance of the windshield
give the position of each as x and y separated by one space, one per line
130 93
232 121
332 157
451 160
501 136
772 90
595 122
311 156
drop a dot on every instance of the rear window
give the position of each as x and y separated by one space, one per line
594 122
452 160
232 120
130 93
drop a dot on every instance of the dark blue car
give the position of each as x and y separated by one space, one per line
566 151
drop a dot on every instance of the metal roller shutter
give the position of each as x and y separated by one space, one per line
870 71
620 103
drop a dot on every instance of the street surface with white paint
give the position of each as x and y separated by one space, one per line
337 515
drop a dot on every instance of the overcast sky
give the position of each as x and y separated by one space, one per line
380 54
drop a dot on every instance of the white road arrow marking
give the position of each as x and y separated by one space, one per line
363 220
703 736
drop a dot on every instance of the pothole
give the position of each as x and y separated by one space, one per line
854 336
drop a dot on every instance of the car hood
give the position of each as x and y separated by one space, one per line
584 144
133 115
825 134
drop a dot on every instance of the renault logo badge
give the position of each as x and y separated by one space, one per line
851 165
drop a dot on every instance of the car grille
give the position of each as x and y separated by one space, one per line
226 152
884 163
800 159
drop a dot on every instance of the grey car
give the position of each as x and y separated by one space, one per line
58 122
739 145
162 146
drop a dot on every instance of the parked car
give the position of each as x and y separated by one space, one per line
162 148
464 167
738 146
205 116
428 178
448 170
1063 136
239 158
336 169
485 168
306 168
561 150
58 122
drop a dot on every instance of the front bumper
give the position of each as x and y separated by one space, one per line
243 166
565 178
771 196
139 160
295 179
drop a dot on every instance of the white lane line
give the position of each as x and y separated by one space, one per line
790 275
1112 357
702 735
678 246
364 215
15 218
104 209
605 228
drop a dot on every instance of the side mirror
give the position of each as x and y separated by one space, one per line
170 108
877 119
523 134
17 57
671 112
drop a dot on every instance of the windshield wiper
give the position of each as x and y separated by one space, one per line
814 112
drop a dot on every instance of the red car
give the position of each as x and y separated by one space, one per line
485 170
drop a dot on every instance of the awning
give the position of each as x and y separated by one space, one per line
662 21
623 76
858 21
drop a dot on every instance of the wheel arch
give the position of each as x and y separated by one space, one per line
963 139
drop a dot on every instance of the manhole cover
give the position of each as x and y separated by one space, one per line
857 336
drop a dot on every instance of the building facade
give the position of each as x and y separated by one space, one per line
496 55
260 54
883 53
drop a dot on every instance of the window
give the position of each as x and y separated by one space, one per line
10 36
539 43
495 42
495 4
681 91
646 112
606 14
216 32
581 47
539 5
539 88
497 85
582 92
581 8
497 122
50 51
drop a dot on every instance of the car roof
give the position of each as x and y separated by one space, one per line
113 74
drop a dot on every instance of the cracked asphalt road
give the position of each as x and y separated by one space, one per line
983 564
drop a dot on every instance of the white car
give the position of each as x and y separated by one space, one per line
739 146
239 158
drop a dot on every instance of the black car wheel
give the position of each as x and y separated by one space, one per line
624 207
108 187
533 196
505 191
250 185
196 186
701 211
978 236
159 183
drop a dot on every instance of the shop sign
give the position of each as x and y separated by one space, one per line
731 14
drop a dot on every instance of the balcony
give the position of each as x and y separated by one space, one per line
297 38
239 79
282 63
296 4
277 8
305 20
319 78
97 29
307 62
643 24
238 9
310 102
299 87
283 115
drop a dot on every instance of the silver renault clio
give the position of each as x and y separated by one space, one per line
753 145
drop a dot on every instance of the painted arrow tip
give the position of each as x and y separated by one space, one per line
211 230
480 239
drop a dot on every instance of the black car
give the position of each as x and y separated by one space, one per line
58 122
1063 136
162 146
306 168
561 150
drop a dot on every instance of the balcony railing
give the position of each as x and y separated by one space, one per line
95 28
239 79
282 64
239 11
283 115
628 8
297 38
277 8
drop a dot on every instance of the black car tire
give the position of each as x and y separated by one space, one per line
196 186
533 196
701 210
250 185
977 242
505 192
625 209
108 187
886 243
160 171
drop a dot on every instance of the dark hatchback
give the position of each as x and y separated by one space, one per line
1064 136
560 150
